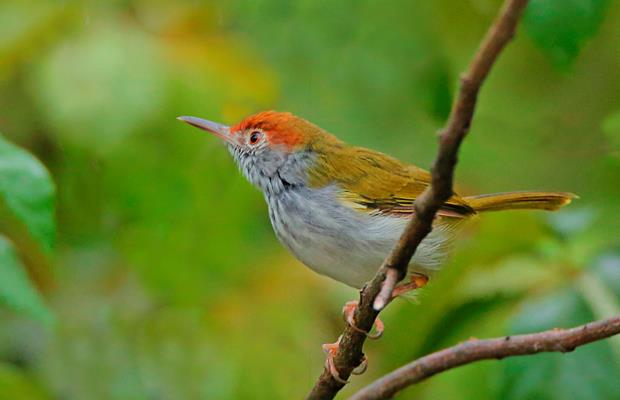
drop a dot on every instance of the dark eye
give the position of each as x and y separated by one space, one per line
255 137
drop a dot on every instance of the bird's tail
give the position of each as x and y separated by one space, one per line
520 201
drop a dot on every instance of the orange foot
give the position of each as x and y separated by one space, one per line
331 349
417 281
348 312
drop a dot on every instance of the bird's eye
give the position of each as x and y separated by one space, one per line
255 137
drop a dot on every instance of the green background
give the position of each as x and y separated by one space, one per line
161 277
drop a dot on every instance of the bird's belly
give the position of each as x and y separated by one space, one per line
340 242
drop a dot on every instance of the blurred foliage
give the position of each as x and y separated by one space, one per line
28 192
561 27
166 280
16 291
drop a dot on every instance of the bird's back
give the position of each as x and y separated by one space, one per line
371 181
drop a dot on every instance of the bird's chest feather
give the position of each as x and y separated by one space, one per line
330 237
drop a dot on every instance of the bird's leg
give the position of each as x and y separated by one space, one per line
348 312
416 281
331 349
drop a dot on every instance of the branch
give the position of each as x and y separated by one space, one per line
554 340
376 294
427 205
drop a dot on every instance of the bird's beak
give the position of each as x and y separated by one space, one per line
219 130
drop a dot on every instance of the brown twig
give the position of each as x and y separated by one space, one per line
376 294
429 202
554 340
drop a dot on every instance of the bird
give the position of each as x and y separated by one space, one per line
340 208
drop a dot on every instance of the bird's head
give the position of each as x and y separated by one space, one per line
274 150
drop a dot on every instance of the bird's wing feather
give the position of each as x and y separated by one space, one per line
374 182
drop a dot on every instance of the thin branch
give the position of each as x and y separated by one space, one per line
376 294
554 340
427 205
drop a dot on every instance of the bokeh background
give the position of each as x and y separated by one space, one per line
159 276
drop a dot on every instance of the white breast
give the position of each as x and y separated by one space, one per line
340 242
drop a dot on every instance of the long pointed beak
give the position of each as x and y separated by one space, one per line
219 130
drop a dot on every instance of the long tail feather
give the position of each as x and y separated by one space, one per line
520 201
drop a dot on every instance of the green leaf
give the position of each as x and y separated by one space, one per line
28 191
16 290
561 27
590 372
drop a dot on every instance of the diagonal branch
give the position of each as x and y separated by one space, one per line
376 294
554 340
427 205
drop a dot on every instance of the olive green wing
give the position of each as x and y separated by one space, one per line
376 183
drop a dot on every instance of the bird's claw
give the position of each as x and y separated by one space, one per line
348 312
331 349
360 369
417 281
